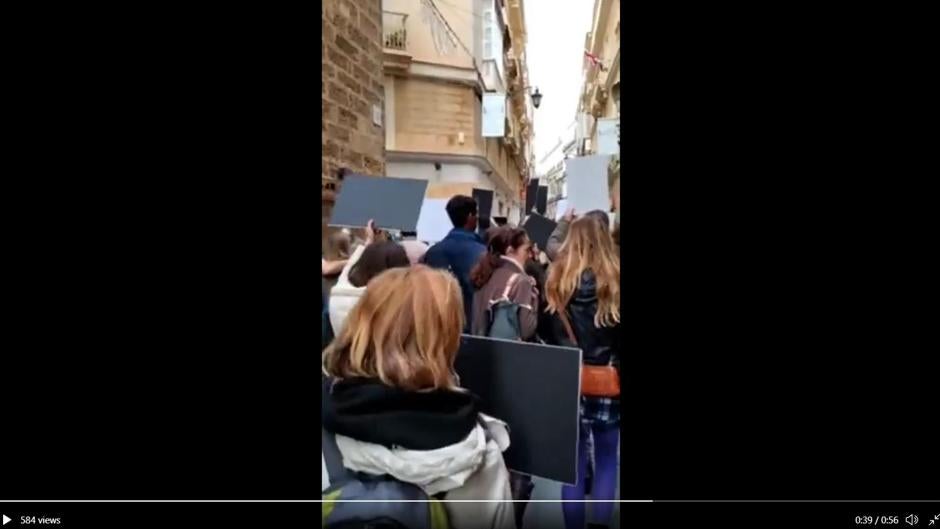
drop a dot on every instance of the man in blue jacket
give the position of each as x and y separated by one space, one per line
461 249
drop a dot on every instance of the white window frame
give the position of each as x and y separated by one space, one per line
493 38
489 28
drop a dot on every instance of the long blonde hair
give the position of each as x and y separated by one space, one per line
588 246
404 331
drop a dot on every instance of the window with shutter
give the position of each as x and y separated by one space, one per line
497 43
489 27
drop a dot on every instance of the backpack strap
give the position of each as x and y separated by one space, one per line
334 460
509 284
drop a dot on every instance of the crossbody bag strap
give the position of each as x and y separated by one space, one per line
563 316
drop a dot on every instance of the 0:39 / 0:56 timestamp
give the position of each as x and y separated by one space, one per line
875 521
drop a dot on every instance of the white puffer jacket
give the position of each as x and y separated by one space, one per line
472 469
344 295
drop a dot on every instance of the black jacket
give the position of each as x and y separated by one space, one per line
599 345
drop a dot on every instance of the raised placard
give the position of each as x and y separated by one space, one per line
539 229
531 195
588 189
393 203
433 222
541 200
484 198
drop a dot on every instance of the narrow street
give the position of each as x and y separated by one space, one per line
511 105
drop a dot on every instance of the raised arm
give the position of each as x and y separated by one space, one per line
556 239
331 268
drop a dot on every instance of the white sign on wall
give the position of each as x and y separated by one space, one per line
494 115
608 135
583 124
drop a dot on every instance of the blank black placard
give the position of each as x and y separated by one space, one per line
501 221
394 203
539 229
541 201
483 224
534 388
531 194
484 198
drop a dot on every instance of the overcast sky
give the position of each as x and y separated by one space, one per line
555 52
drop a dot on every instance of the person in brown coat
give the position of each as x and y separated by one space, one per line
500 274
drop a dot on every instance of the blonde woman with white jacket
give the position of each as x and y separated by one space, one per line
393 403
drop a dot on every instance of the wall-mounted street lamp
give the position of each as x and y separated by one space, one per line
536 96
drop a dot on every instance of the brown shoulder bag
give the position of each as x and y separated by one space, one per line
596 381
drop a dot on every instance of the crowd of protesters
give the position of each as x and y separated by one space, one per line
393 312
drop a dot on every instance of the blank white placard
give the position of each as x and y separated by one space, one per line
586 177
433 222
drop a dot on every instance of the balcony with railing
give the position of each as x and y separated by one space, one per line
395 30
397 59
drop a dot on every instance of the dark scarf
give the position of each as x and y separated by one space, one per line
370 411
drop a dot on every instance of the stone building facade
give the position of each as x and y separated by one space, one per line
353 93
600 91
439 61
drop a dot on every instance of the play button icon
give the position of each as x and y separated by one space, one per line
6 519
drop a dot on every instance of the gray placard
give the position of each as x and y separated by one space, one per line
393 203
536 390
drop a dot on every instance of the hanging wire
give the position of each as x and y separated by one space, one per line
440 34
453 37
461 9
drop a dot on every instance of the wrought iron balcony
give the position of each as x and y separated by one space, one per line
394 30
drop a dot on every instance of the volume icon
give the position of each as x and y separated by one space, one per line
912 519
